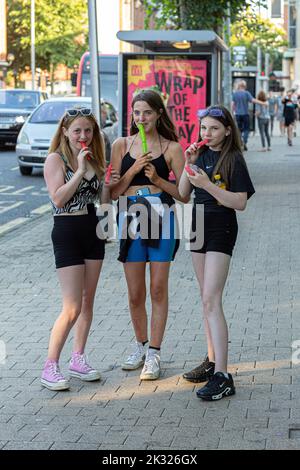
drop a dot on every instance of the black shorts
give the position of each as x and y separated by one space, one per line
74 239
289 120
220 232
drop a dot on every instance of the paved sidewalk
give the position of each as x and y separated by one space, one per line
261 301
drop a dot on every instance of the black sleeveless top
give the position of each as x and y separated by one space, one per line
140 179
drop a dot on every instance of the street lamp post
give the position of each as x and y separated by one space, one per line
258 76
227 63
32 30
267 71
93 43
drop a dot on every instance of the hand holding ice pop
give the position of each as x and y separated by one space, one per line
143 137
191 153
201 143
84 146
192 170
189 170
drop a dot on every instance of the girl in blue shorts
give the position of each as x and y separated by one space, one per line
146 221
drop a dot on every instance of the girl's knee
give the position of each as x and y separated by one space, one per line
71 313
210 303
158 293
136 299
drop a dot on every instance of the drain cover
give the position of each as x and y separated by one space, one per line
294 433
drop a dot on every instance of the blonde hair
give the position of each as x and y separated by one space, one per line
60 143
242 84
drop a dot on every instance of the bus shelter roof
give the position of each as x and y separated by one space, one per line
165 41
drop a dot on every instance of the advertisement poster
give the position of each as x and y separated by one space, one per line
182 83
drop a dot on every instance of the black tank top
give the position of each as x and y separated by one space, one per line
140 179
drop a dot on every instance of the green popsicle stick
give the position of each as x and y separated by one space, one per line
143 137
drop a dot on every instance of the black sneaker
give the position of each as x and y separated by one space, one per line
218 387
201 373
245 147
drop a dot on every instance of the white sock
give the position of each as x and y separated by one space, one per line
153 351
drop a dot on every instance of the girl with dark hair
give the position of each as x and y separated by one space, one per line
221 184
144 180
263 119
74 180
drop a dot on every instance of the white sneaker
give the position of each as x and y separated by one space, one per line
136 358
151 369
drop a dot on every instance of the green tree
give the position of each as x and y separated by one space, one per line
252 30
61 28
194 14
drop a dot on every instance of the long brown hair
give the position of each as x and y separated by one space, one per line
60 143
262 96
165 126
232 146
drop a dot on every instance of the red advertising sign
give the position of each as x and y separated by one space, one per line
182 82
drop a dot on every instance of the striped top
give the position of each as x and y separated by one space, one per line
88 192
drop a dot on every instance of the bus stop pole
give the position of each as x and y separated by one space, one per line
95 77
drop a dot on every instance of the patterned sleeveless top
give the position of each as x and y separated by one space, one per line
88 192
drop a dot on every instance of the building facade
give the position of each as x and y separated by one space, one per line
123 15
291 57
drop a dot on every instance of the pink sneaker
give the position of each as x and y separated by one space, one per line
52 378
79 368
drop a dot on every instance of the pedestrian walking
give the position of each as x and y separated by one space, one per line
280 115
144 180
74 180
222 184
263 119
295 101
289 109
240 106
273 103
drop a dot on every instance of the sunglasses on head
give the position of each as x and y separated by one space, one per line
213 112
74 112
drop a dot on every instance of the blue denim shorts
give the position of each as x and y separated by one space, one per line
138 250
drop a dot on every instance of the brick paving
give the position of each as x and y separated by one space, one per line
261 303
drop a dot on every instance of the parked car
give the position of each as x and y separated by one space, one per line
15 106
34 139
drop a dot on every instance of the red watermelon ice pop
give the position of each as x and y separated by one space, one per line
108 173
201 143
84 146
187 168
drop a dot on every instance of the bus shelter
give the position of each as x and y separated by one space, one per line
249 75
185 67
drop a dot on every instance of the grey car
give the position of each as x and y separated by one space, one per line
35 137
15 106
